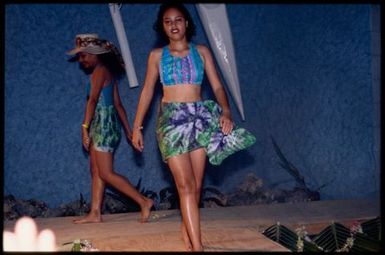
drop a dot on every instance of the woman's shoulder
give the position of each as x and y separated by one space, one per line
203 50
199 45
100 70
100 73
156 53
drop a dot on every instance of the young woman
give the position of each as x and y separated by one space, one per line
102 121
188 129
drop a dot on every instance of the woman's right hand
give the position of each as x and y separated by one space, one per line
137 139
85 139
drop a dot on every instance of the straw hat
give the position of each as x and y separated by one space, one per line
90 43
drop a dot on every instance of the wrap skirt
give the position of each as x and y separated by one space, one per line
183 127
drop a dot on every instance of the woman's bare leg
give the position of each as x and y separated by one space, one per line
104 163
198 162
98 186
181 168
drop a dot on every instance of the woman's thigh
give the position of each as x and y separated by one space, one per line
182 171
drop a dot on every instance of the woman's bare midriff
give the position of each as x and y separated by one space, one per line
182 93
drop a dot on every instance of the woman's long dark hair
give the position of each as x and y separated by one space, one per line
112 62
158 25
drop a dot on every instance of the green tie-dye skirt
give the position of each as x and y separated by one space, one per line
105 128
183 127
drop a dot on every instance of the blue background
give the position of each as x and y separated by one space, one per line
309 77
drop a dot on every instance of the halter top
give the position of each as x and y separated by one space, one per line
181 70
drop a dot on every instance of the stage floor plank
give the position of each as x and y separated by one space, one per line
237 228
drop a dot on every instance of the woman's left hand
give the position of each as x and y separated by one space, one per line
226 124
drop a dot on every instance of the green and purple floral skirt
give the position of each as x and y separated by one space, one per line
183 127
105 128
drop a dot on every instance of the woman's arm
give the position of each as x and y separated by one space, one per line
146 97
97 81
122 112
218 89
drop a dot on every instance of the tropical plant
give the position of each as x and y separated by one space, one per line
372 228
290 239
146 192
131 205
293 171
214 195
169 196
334 238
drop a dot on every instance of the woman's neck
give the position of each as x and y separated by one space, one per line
178 45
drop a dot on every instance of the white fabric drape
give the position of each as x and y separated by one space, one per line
217 28
124 46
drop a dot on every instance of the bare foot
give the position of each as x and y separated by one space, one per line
146 210
200 248
186 239
90 218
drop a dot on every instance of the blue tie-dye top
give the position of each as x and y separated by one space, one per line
106 95
181 70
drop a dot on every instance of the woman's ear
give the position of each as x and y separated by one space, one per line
186 23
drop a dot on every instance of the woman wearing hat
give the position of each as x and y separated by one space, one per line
102 121
189 129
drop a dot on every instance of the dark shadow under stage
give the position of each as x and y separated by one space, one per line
237 228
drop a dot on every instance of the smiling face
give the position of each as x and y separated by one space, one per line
174 24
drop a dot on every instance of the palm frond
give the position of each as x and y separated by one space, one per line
285 164
117 195
364 243
282 235
138 184
169 194
215 200
290 239
372 228
333 237
212 190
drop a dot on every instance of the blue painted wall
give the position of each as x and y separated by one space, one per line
306 77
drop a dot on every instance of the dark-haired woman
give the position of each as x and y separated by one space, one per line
188 128
102 121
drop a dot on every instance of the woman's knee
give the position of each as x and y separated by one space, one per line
106 176
198 187
187 188
198 190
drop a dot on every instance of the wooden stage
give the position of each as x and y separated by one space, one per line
237 228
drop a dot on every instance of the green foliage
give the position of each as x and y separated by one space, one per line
289 239
372 228
282 235
170 195
334 238
167 196
147 193
363 243
213 194
130 204
293 171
